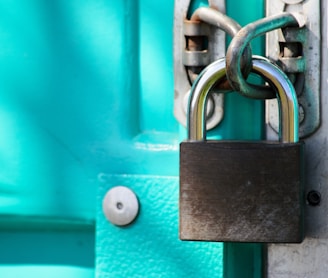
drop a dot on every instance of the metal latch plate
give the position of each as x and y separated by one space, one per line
303 68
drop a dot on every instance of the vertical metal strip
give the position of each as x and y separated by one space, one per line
244 259
297 51
310 259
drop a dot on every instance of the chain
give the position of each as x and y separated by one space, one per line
239 54
242 39
195 58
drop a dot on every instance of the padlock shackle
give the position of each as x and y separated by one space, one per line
286 97
216 72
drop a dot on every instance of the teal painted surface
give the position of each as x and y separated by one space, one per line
48 271
146 160
55 60
240 259
149 247
86 99
54 65
243 260
47 253
243 119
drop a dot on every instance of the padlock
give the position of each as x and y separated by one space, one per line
242 191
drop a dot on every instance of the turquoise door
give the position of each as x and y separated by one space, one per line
87 104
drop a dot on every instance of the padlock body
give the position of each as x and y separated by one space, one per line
241 191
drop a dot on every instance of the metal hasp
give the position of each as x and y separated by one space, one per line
242 191
188 55
310 259
298 52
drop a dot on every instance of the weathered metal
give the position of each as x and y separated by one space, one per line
216 72
190 59
241 40
236 190
298 52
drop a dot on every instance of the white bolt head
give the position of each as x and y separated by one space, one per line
120 205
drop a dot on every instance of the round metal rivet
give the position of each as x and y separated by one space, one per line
301 114
120 205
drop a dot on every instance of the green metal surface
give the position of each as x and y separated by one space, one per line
149 247
53 62
86 100
51 82
245 260
148 158
47 253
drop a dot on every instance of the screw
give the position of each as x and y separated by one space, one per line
314 198
301 114
120 206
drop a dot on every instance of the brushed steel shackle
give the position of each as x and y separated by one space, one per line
216 72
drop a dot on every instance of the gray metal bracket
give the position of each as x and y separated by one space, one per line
298 53
183 58
310 259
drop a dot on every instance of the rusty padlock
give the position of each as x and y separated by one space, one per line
242 191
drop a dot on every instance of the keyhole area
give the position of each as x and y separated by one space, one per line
119 205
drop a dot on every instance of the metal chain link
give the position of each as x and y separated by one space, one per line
227 24
239 54
242 39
